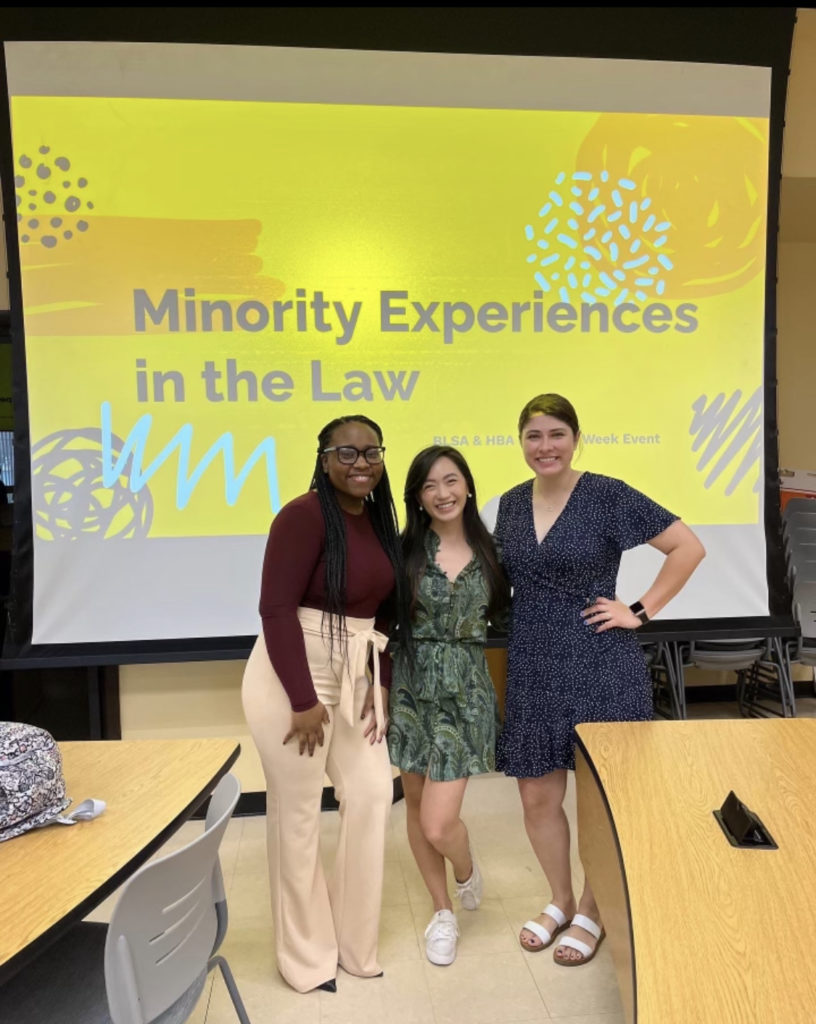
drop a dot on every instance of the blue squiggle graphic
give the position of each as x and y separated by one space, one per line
599 241
186 482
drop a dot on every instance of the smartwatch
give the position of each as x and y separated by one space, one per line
638 609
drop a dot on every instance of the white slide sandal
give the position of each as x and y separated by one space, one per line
539 930
586 951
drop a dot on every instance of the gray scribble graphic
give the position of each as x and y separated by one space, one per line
732 435
50 199
68 497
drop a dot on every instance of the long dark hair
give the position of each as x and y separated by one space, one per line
417 525
383 515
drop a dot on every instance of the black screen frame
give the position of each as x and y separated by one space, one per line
758 36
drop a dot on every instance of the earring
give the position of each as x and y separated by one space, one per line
469 494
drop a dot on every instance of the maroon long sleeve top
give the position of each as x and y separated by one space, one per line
294 576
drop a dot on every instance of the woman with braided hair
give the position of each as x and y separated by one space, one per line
312 697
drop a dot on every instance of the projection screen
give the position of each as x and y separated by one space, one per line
222 248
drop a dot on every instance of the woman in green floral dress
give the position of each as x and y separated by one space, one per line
444 716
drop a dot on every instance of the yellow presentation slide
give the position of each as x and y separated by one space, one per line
223 278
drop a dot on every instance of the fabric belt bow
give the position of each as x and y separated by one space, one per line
354 666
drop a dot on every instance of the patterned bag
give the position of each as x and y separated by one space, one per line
32 786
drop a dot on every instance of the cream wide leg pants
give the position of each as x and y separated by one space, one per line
321 923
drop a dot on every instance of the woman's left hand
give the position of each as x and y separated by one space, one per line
606 614
371 730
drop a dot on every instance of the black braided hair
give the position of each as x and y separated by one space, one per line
417 524
383 515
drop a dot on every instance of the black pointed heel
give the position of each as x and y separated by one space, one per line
329 986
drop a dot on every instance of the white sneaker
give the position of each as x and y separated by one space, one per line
470 892
440 938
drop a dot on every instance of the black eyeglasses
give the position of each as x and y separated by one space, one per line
348 455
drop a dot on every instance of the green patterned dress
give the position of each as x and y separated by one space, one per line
444 715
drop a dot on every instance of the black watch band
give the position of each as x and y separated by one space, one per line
638 609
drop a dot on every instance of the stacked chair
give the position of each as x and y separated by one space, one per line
668 697
765 687
760 690
762 663
799 535
763 677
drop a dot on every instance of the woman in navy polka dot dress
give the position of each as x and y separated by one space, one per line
572 653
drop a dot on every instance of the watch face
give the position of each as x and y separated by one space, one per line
638 609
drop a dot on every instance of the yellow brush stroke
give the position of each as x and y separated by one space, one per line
54 307
724 277
751 126
751 233
711 205
638 154
91 293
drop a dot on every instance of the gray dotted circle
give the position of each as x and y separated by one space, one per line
45 169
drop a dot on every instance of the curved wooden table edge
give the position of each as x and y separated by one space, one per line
43 941
603 861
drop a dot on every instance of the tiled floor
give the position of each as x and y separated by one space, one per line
493 981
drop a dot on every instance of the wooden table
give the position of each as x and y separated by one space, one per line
700 930
53 877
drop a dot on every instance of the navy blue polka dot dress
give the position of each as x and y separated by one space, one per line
559 671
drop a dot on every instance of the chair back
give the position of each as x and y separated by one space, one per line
794 505
799 536
801 522
727 655
804 611
803 571
217 805
164 927
800 547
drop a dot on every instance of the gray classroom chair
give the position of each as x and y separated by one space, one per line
800 554
150 964
804 610
802 574
802 540
804 604
763 674
725 655
798 521
794 505
800 546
